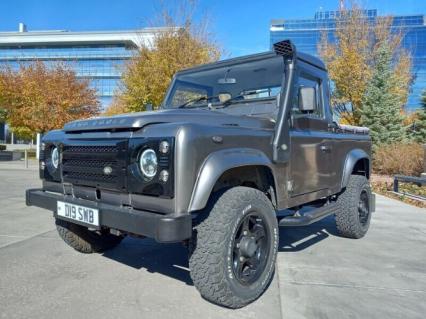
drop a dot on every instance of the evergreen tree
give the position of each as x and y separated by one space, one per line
381 111
418 132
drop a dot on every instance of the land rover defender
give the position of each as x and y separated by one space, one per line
238 148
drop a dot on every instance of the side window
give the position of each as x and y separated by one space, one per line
305 80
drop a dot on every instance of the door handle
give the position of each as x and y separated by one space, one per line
325 148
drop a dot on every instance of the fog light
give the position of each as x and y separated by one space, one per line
164 176
164 147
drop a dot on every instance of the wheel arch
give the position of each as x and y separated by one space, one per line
220 165
357 161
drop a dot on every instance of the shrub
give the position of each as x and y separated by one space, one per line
398 158
2 147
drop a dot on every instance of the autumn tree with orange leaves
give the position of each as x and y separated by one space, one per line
351 58
183 43
36 98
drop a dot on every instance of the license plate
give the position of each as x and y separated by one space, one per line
79 213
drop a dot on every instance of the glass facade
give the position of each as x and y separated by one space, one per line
99 59
306 33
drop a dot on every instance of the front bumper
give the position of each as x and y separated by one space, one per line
163 228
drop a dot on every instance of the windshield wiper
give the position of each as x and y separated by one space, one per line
199 99
237 97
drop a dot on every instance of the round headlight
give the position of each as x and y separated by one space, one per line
164 147
148 163
55 157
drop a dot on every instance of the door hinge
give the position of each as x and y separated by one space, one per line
290 186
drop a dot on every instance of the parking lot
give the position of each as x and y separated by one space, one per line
319 275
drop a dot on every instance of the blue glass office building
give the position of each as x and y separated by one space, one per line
306 34
98 56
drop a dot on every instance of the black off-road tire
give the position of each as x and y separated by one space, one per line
349 221
212 246
84 240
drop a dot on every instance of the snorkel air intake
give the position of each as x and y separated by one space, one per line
285 48
281 147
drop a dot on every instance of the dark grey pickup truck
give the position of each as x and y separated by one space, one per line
239 148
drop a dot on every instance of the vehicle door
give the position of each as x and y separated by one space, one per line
311 146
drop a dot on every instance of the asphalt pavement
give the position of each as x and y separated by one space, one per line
319 274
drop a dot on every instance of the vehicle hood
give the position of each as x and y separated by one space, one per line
141 119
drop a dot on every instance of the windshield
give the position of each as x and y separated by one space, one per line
222 86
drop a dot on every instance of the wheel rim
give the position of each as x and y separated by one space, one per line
363 208
250 249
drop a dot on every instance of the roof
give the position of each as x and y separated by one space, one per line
253 57
311 60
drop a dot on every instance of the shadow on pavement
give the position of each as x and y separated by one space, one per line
168 259
299 238
172 259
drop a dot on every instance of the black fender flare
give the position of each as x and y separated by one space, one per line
351 159
218 163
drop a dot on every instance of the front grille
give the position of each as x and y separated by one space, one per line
85 165
92 149
96 177
89 163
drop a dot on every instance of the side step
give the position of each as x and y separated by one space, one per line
309 217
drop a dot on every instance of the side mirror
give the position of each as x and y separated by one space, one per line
148 107
307 99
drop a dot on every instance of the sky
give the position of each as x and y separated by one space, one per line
240 26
